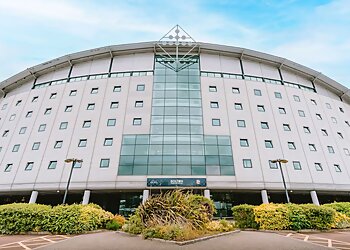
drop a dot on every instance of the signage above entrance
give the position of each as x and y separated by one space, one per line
176 182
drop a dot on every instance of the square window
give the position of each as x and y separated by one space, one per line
257 92
58 144
334 120
307 130
341 109
15 148
104 163
286 127
212 89
35 99
273 165
261 108
114 105
318 166
312 147
140 87
337 168
82 143
111 122
108 142
278 95
138 104
29 166
47 111
301 113
68 108
117 88
42 128
243 143
90 106
8 167
346 151
137 122
63 125
215 122
238 106
94 91
324 132
53 95
4 106
296 165
247 163
77 164
73 92
87 124
264 125
330 149
234 90
36 146
340 135
6 132
318 116
18 103
29 114
214 104
52 165
12 117
328 105
241 123
282 110
291 145
22 130
268 144
296 98
313 102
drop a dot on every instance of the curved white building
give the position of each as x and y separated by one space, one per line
155 115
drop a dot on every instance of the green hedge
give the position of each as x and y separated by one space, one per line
69 219
341 207
284 216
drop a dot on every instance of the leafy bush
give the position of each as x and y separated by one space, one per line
113 225
219 226
120 219
70 219
341 221
272 216
341 207
244 216
134 225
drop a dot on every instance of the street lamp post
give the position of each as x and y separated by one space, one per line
74 161
279 161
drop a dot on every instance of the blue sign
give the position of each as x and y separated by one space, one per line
176 182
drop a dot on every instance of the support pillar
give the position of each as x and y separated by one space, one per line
264 197
33 197
314 198
207 193
86 197
145 195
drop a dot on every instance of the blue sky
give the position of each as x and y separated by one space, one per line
313 33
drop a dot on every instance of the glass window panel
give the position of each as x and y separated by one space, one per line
171 110
197 139
140 160
225 150
158 102
127 150
129 139
183 129
158 111
158 94
126 160
159 76
226 160
195 94
155 149
142 139
183 160
183 149
170 129
184 170
183 94
183 102
196 129
155 159
139 170
213 170
170 103
198 170
183 120
224 140
183 139
169 170
196 120
211 150
183 111
169 149
212 160
210 139
169 139
157 129
171 119
157 119
193 78
141 150
227 170
170 94
156 139
195 103
198 160
197 150
195 111
154 169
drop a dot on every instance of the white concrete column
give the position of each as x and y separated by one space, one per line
264 197
145 195
314 198
33 197
86 197
207 193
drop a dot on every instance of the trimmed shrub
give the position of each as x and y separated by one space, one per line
113 225
244 216
69 219
341 207
120 219
220 226
272 216
341 221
